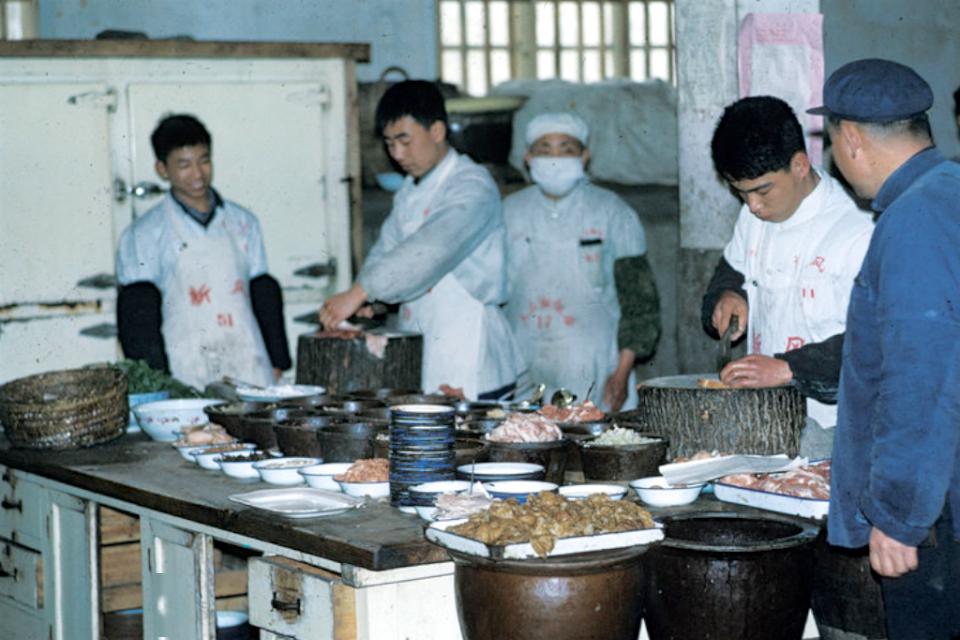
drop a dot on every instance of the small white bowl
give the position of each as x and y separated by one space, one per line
364 489
284 471
517 489
427 513
433 489
162 420
656 492
320 476
210 460
228 619
583 491
189 451
242 469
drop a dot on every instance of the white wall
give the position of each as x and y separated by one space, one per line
400 32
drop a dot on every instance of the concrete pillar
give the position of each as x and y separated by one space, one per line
523 21
706 82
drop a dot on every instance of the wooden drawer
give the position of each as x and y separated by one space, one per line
21 575
295 599
23 509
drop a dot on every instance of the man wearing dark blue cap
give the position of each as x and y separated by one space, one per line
896 477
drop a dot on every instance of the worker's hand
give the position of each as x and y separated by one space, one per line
890 558
338 308
276 374
756 371
730 304
615 390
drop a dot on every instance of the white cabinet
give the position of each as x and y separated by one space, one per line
75 124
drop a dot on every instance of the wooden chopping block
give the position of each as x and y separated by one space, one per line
755 421
347 361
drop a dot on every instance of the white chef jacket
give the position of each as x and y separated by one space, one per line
799 273
442 252
563 304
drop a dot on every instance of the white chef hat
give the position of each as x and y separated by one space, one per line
560 122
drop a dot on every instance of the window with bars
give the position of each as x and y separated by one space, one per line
485 42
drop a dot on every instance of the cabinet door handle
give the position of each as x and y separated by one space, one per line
99 281
7 504
318 270
280 605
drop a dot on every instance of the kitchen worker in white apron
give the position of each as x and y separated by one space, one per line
583 301
441 253
195 297
788 271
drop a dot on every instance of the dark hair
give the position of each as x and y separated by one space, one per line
755 136
419 99
175 131
916 127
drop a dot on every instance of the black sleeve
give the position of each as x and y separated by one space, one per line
816 368
138 324
639 327
725 278
267 301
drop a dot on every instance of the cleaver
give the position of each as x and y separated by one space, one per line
723 349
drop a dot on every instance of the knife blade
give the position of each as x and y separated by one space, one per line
723 349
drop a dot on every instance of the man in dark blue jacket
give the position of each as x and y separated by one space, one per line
896 477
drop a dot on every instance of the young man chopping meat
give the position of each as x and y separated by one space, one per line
787 272
583 301
896 471
195 297
441 252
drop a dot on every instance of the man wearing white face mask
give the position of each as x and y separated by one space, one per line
583 302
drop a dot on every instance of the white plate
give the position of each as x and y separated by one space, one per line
298 502
815 508
437 532
276 393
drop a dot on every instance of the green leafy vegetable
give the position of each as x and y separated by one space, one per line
141 378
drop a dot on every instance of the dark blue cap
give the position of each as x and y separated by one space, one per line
874 90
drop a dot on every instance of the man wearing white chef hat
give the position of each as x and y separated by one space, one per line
787 272
583 302
195 297
441 252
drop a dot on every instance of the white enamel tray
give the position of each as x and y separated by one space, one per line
299 502
814 508
437 532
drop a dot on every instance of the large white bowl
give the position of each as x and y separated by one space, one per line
162 420
657 492
320 476
363 489
284 471
583 491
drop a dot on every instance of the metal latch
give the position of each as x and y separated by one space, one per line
104 330
318 270
96 99
99 281
141 191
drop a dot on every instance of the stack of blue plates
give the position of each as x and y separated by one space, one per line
422 438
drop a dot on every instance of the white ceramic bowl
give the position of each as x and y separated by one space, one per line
279 392
320 476
362 489
242 469
427 513
227 619
495 471
517 489
189 451
583 491
208 457
162 420
433 489
135 399
284 471
655 492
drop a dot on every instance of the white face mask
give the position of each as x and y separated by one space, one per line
556 175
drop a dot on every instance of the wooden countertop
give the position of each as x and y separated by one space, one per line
152 474
138 48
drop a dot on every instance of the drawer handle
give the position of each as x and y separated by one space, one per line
280 605
6 574
7 504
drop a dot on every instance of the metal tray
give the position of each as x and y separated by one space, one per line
814 508
299 502
437 532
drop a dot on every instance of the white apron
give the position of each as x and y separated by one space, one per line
208 324
784 324
450 319
567 320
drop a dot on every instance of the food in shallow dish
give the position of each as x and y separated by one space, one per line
808 481
367 470
619 437
585 412
525 427
657 492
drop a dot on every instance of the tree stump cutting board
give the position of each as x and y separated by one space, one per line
755 421
344 364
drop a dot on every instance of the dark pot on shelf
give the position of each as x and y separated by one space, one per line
551 455
299 436
348 441
730 576
589 596
309 402
257 427
422 398
380 394
622 462
229 415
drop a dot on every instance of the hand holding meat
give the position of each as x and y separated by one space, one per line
730 304
756 371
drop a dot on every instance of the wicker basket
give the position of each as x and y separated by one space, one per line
65 409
